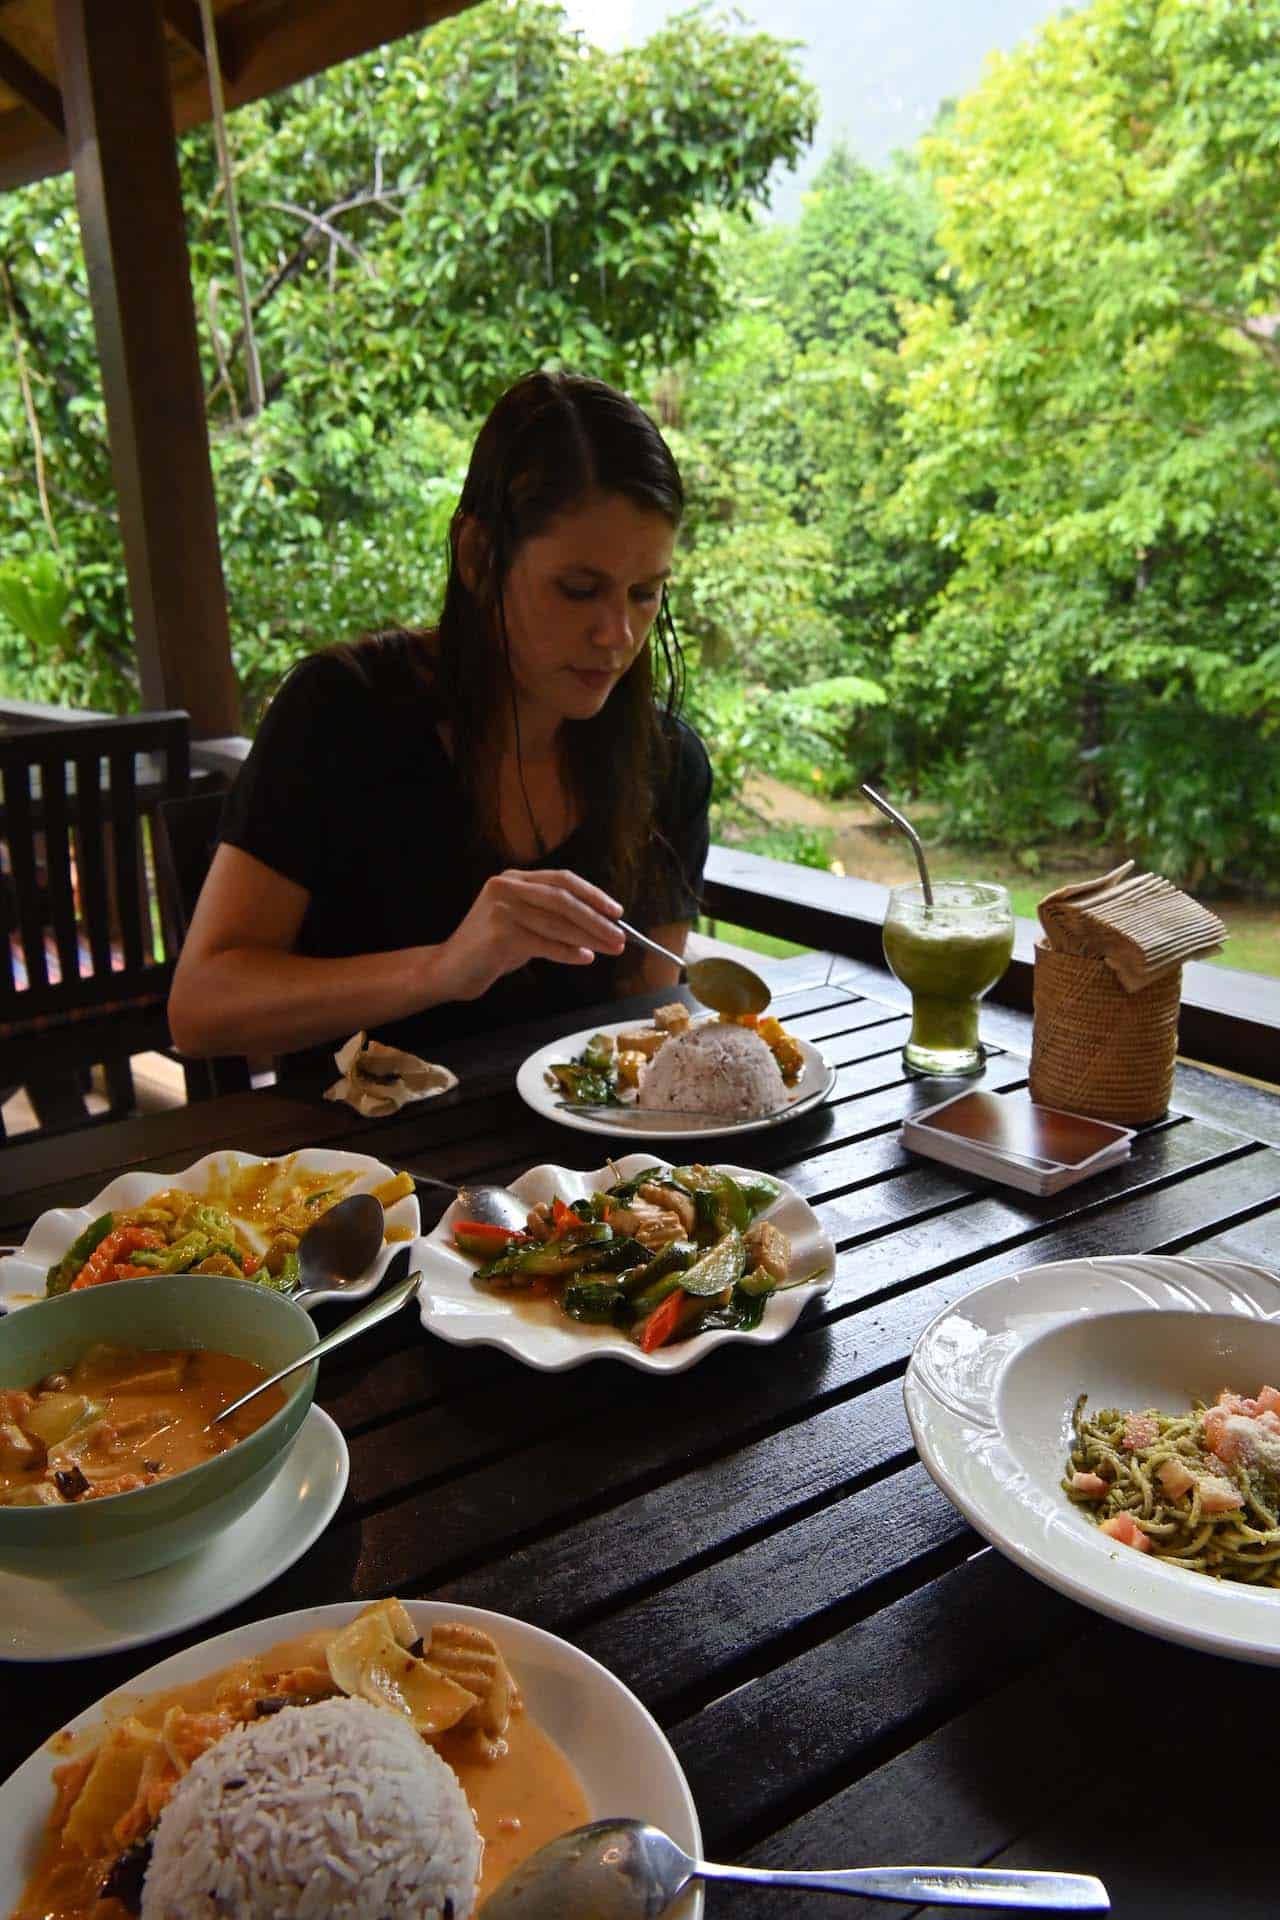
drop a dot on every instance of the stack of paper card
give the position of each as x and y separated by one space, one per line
1007 1137
1139 923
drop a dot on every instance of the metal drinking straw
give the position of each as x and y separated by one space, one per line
891 813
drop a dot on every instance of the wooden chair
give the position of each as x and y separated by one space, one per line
85 955
185 839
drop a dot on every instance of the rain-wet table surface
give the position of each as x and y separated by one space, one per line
847 1672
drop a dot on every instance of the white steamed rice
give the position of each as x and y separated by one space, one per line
714 1068
338 1811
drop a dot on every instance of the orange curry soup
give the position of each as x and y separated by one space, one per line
121 1418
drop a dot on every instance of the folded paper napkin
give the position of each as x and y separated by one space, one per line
377 1080
1139 923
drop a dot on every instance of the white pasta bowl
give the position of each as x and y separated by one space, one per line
990 1393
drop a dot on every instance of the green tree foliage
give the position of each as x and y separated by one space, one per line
1095 439
421 225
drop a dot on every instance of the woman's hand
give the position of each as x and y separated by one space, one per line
521 915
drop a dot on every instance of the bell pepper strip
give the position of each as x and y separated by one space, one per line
249 1263
483 1239
111 1251
563 1217
123 1271
666 1320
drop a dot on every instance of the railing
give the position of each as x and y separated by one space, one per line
1229 1019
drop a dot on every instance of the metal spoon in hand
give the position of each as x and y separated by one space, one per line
724 985
625 1870
385 1303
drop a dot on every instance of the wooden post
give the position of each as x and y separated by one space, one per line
115 90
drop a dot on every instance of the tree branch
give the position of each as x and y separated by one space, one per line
29 406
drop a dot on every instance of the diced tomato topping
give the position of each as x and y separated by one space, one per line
1123 1527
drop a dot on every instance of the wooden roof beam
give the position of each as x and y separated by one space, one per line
40 94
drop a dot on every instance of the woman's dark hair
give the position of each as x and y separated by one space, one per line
552 441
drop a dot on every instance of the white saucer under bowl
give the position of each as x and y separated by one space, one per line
42 1621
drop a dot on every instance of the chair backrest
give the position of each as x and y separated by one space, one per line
186 838
81 928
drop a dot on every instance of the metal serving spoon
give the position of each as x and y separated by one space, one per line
378 1309
726 986
479 1200
625 1870
338 1249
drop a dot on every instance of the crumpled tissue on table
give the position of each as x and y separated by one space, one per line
378 1080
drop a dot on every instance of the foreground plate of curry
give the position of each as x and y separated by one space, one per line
990 1391
541 1335
22 1274
620 1754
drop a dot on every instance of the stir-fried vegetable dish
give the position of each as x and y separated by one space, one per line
247 1225
607 1072
666 1254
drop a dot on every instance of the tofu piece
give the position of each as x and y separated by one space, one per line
39 1494
645 1040
671 1200
673 1018
18 1449
769 1248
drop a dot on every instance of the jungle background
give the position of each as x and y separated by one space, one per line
982 448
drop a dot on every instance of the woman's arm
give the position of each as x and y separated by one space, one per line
240 988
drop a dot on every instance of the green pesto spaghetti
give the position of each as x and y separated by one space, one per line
1153 1481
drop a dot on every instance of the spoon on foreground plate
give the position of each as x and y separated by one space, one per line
378 1309
337 1250
626 1870
724 985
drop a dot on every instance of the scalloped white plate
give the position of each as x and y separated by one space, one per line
811 1089
621 1755
990 1392
539 1334
22 1275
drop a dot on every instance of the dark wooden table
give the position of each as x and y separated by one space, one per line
846 1672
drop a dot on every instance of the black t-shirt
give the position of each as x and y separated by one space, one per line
349 791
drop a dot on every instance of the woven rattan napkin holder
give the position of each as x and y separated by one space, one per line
1096 1049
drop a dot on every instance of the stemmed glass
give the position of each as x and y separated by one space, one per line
948 955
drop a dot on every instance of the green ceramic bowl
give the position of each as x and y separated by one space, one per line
131 1533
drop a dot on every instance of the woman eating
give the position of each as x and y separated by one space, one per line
437 831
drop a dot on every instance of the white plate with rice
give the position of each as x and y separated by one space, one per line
542 1336
620 1754
748 1090
22 1275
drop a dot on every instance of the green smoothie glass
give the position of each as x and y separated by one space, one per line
948 955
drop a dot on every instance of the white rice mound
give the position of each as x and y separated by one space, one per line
714 1068
338 1810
